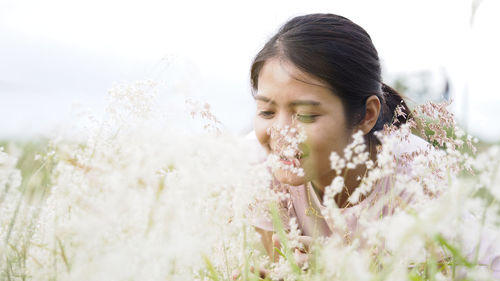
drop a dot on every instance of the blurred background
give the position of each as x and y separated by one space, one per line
58 57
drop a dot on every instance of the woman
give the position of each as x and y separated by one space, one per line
321 73
317 83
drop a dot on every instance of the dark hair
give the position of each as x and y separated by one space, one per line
339 53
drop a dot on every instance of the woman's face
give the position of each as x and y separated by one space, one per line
286 96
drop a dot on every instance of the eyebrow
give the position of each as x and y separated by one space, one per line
294 103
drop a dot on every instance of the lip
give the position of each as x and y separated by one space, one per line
291 162
288 162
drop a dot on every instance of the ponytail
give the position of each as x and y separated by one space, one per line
390 101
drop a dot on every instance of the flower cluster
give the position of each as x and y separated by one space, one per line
286 146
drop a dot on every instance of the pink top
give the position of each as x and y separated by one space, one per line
312 225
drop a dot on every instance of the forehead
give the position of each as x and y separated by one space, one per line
280 80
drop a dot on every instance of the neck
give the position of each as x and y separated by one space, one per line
351 182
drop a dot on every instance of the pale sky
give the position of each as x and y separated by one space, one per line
55 53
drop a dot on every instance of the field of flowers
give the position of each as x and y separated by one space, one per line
139 200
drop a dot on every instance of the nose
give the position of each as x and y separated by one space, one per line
282 132
284 120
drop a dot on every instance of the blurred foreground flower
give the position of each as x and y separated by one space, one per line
142 202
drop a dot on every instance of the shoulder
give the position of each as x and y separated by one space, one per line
412 144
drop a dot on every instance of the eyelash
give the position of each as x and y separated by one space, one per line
301 117
266 114
307 118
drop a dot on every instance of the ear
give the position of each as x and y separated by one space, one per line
371 116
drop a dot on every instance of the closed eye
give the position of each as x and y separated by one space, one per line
307 118
266 114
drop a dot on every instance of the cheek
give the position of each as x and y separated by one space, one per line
323 142
320 152
260 128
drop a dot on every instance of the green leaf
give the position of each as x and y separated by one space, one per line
280 230
457 255
213 273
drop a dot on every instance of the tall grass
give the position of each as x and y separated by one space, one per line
137 201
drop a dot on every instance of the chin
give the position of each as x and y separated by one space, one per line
286 177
